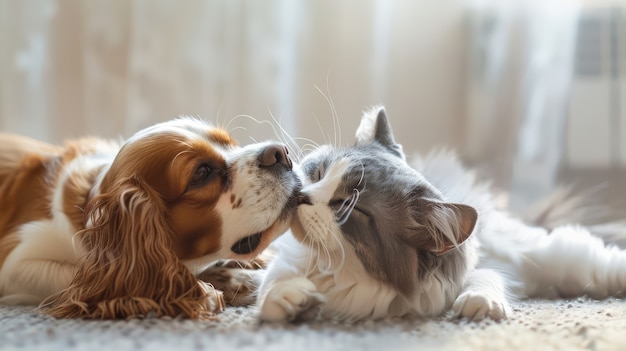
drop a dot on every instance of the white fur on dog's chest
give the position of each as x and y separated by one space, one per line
47 247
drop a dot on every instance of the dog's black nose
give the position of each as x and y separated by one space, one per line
275 154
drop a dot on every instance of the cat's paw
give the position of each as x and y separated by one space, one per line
477 305
289 300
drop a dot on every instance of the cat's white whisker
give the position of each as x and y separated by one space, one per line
309 141
587 286
307 148
362 175
342 256
529 260
319 126
310 145
311 253
328 260
343 213
284 135
279 131
239 128
309 260
237 117
333 112
324 269
217 117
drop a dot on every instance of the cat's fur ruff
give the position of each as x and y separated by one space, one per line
375 238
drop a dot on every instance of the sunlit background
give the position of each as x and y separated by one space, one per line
533 93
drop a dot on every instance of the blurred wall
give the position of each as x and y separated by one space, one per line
110 67
500 81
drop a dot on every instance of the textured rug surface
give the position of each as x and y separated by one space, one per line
579 324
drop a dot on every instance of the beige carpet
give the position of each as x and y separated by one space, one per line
579 324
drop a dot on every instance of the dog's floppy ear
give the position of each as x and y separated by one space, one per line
447 225
130 269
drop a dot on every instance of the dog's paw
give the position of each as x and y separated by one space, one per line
476 305
291 299
216 303
238 285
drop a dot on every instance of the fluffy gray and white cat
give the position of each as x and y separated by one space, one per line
376 238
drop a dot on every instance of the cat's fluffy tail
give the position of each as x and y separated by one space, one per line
571 261
566 206
580 253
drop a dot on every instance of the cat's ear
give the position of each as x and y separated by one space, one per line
375 126
447 225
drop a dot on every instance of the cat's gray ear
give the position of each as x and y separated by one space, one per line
375 126
447 225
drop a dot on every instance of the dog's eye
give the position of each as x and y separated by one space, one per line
201 175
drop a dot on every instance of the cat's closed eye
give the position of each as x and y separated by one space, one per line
316 173
343 208
320 171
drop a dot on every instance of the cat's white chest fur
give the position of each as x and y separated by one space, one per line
302 283
351 293
306 284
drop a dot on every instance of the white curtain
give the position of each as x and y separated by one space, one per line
488 78
522 57
110 67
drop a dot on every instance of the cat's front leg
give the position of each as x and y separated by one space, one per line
288 300
484 296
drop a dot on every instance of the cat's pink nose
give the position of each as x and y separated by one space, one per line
275 154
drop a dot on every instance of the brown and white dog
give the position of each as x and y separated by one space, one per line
94 229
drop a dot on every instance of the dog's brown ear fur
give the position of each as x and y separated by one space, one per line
130 269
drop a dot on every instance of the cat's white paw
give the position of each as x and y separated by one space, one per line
289 299
476 305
